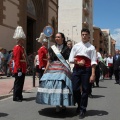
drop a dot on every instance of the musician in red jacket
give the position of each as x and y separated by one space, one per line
43 56
19 57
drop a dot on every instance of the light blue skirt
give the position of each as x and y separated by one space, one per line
55 86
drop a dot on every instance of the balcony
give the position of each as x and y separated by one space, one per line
85 22
87 1
86 9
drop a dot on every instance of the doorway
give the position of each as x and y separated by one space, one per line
30 44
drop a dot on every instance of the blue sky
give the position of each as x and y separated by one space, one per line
106 15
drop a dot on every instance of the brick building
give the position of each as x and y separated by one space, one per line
103 41
32 15
100 41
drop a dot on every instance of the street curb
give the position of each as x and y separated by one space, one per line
11 94
5 96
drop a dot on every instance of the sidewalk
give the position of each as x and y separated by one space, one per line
6 84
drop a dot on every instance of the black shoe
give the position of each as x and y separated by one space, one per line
78 110
90 96
81 115
117 83
64 108
93 85
13 75
21 97
17 99
97 85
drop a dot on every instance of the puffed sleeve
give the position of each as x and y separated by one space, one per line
93 57
72 55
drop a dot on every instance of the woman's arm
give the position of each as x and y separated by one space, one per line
48 63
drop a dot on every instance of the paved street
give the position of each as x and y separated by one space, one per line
103 106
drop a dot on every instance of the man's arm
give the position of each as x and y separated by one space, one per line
92 77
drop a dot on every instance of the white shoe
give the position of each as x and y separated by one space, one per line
58 108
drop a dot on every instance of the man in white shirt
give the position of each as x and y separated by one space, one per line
36 64
1 60
97 70
83 55
109 63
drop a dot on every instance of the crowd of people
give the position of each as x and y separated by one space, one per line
5 62
66 72
66 85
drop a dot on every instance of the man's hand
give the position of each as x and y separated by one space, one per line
19 72
81 63
92 78
43 68
75 60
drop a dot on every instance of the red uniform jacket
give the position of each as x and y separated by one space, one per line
19 58
42 52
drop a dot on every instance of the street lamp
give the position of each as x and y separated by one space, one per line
72 31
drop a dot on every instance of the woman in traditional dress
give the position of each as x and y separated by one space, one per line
55 85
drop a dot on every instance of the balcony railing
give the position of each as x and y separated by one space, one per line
85 22
87 1
86 8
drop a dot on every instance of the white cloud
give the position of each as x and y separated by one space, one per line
116 36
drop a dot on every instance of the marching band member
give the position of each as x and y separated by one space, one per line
19 57
97 70
43 54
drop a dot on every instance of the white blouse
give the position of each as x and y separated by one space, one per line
109 60
36 60
83 49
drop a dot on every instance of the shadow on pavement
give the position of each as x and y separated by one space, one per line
97 96
29 99
96 113
101 87
108 79
3 114
27 92
50 112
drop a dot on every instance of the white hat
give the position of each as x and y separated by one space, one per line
19 33
41 38
45 40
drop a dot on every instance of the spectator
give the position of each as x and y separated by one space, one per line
36 63
1 61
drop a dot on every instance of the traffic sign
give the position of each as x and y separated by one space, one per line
48 31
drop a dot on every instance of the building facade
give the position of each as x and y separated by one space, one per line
103 41
113 42
73 16
100 41
32 15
